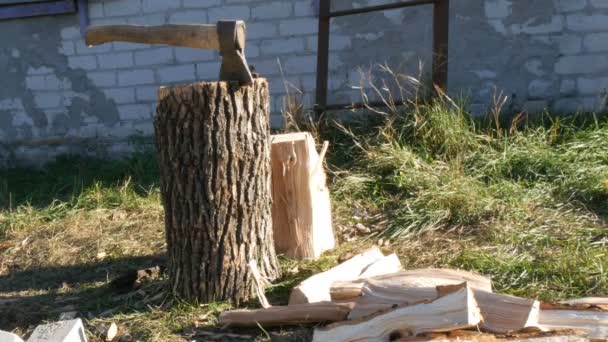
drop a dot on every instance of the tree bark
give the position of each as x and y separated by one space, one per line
213 142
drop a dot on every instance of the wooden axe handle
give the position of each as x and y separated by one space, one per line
195 36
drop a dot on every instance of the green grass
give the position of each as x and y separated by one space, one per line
523 202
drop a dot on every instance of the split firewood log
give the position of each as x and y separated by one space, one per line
287 315
454 311
501 313
595 322
429 278
316 288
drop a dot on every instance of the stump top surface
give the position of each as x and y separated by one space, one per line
165 91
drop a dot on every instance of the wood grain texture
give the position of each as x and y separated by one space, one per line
301 208
501 313
455 311
427 277
214 155
287 315
316 288
593 322
194 36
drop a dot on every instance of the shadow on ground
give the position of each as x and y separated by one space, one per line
29 297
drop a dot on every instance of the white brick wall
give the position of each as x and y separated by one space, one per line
567 71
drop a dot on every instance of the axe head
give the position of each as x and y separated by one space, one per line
232 49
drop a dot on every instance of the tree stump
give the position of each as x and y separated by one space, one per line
213 142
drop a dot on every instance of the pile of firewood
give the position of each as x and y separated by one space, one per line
371 298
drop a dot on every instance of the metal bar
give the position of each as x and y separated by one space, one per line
441 32
37 9
322 56
83 15
381 7
362 105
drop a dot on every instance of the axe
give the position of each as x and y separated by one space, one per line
226 36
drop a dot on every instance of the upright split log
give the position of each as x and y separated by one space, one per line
301 208
214 154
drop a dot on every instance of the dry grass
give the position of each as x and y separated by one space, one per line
525 205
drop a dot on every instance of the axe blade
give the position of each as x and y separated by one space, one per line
232 48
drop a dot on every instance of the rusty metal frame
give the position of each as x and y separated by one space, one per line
441 19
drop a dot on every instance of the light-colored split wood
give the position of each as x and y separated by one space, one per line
501 313
316 288
455 311
428 277
594 322
287 315
301 210
259 283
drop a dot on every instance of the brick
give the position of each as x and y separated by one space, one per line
66 48
102 78
338 42
261 30
163 55
301 64
570 5
228 13
189 17
70 32
599 3
35 82
149 93
282 46
196 55
299 26
150 6
83 49
136 77
567 105
177 73
47 100
95 9
55 83
208 71
581 64
121 8
120 95
304 9
145 128
567 87
581 22
116 60
201 3
555 25
69 96
534 107
592 86
312 42
272 10
569 44
148 19
134 112
11 104
267 67
276 121
497 8
109 21
82 62
252 50
596 42
540 88
124 46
